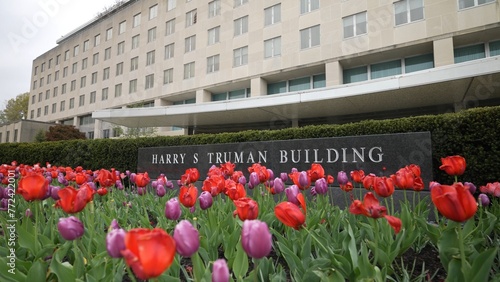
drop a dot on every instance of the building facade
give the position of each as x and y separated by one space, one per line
189 66
22 130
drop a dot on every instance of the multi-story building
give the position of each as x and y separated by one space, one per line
225 65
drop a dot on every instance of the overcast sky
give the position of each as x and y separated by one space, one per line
29 28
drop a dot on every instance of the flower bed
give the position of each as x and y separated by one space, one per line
71 224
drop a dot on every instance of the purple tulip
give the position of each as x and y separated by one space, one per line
115 240
256 239
313 191
483 199
28 213
8 193
471 186
220 272
132 177
92 185
169 184
154 183
173 209
53 192
141 191
304 180
187 238
192 209
342 178
205 200
254 180
70 228
119 185
242 180
278 185
4 204
291 194
284 176
160 190
62 180
321 186
271 173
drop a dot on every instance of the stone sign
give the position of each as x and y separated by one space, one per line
380 154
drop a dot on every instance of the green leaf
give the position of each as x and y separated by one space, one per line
482 265
9 274
455 271
240 264
198 266
37 271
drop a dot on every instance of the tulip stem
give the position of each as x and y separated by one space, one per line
375 237
37 219
462 249
316 239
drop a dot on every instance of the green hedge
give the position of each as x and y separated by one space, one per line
473 134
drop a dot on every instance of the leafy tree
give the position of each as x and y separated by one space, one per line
63 132
40 136
15 108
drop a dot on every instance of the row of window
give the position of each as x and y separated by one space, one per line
7 136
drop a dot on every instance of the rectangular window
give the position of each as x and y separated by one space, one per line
319 80
41 82
66 56
94 78
49 76
495 48
214 35
81 100
190 44
58 60
135 41
104 95
34 85
406 11
469 53
417 63
168 76
309 37
240 56
105 133
54 108
107 53
122 27
152 34
92 97
191 18
150 58
55 91
118 90
71 103
74 68
76 50
119 69
134 63
47 94
95 59
241 26
84 63
38 114
272 15
105 74
45 112
56 76
33 99
272 47
63 89
86 45
354 25
132 86
136 20
153 12
238 3
171 4
299 84
355 74
50 63
213 64
120 48
150 81
170 27
73 85
213 8
109 33
307 6
83 81
463 4
65 73
169 51
97 40
385 69
189 70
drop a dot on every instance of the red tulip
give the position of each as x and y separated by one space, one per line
148 252
142 179
290 214
262 172
246 208
80 178
404 178
33 186
383 186
188 195
234 190
73 200
370 207
369 181
453 165
316 172
106 178
357 175
454 202
191 175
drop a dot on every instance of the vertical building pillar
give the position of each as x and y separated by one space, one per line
258 87
203 96
97 129
333 73
443 52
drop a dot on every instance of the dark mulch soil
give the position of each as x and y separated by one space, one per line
427 261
